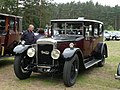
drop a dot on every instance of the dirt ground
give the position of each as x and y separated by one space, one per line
8 80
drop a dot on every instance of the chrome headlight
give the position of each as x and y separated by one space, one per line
55 54
31 52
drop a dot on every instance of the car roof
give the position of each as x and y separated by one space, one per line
76 20
10 15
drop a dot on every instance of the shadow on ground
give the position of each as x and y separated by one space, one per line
57 78
5 63
48 78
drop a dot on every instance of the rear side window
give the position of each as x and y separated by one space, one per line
100 29
96 29
17 24
88 30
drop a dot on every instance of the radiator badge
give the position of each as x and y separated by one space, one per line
45 52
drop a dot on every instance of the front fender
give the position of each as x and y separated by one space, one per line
68 53
20 48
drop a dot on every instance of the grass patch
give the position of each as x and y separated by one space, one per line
97 78
94 78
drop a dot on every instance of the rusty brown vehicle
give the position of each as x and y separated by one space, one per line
75 45
10 33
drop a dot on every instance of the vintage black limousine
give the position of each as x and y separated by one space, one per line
74 44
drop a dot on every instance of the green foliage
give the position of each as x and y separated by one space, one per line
110 28
8 6
40 14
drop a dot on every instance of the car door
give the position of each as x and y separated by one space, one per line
88 41
98 34
11 34
3 32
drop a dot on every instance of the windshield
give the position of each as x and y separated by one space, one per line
67 28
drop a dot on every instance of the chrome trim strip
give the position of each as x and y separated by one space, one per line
46 41
44 67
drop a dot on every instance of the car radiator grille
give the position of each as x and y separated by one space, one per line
44 54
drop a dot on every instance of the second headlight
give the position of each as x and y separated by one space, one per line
55 54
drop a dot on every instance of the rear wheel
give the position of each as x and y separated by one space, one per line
114 38
118 70
70 71
21 64
102 62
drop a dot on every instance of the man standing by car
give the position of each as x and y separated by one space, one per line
28 36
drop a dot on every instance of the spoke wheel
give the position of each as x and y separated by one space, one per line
21 65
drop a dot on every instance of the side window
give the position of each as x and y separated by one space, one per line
17 24
12 24
100 29
96 29
88 32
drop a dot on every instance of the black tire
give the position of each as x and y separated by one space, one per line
118 70
107 39
19 70
116 38
102 62
113 38
70 71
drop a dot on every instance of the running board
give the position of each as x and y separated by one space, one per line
91 63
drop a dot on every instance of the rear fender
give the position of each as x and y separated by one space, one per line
99 50
106 50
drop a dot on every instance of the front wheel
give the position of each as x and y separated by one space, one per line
20 67
70 71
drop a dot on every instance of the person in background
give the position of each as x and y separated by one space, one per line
41 34
28 36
